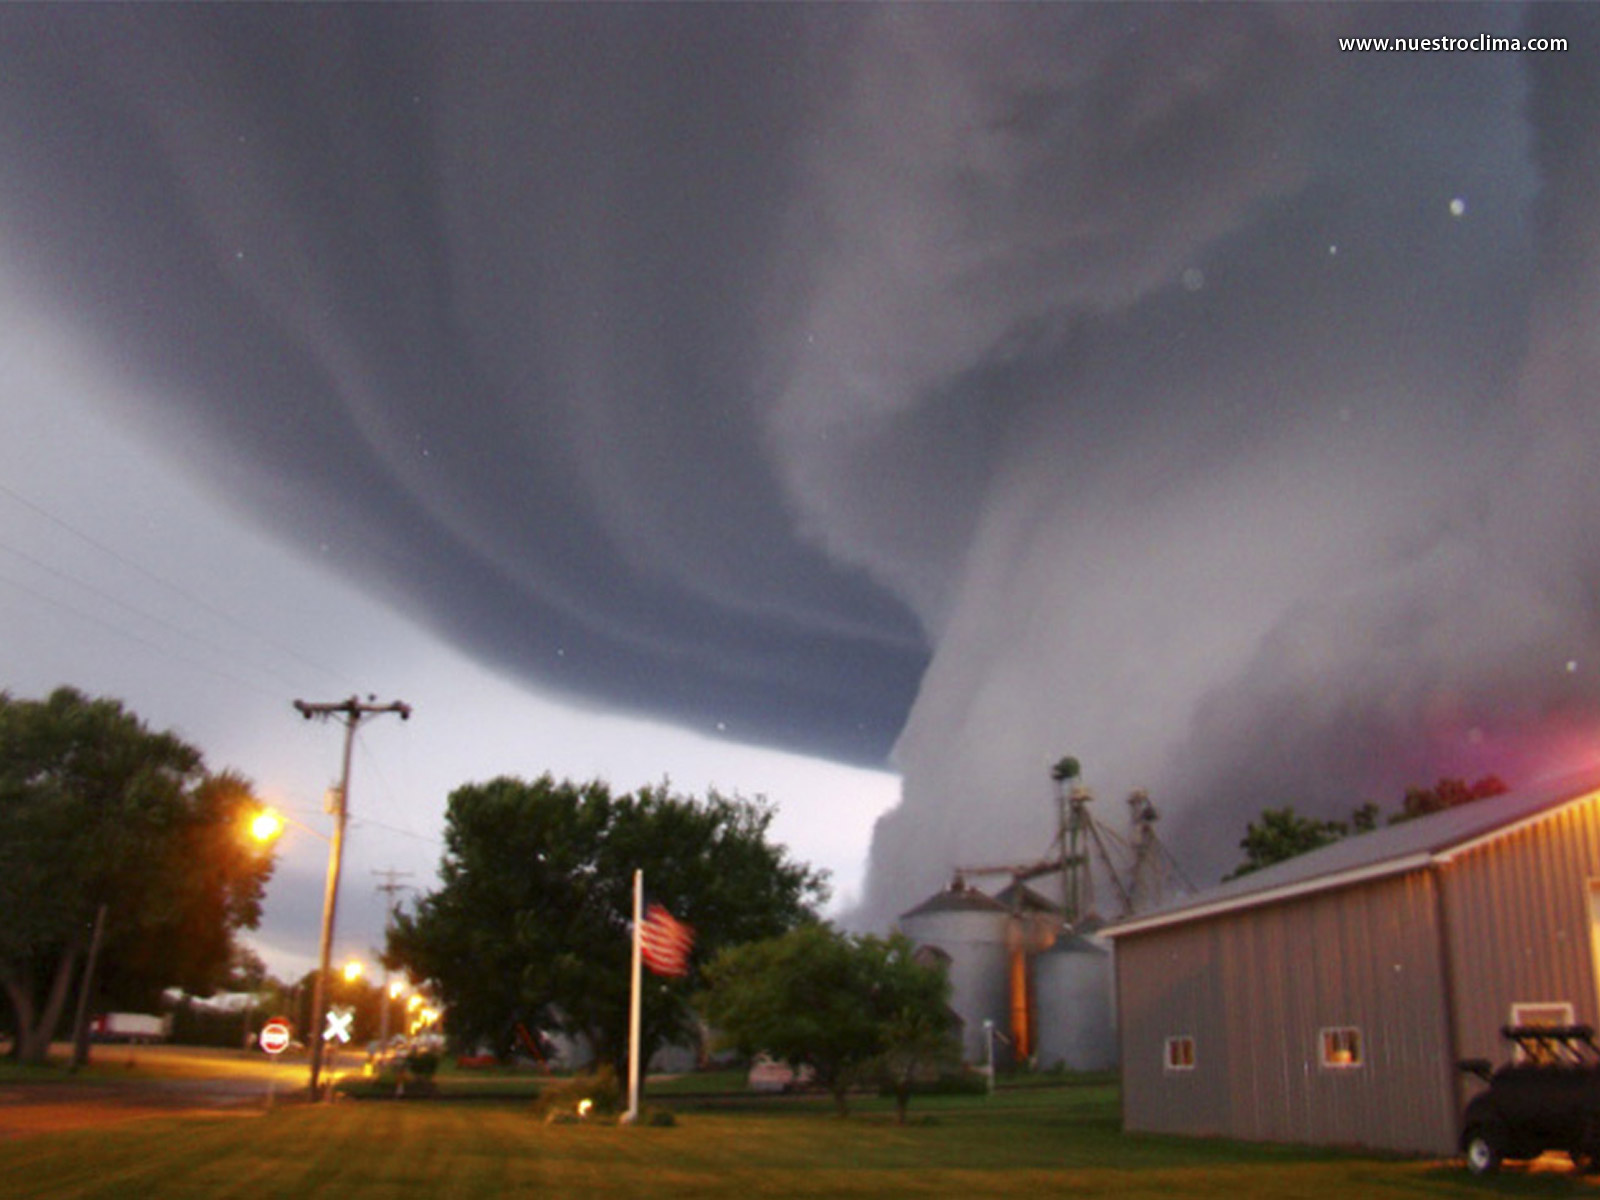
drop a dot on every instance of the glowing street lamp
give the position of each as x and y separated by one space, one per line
352 970
266 826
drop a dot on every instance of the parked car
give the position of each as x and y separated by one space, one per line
1546 1098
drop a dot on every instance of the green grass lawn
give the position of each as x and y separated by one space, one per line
1033 1142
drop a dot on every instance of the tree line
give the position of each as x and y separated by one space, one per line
122 857
1282 833
120 849
530 930
116 843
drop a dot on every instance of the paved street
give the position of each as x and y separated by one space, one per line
160 1081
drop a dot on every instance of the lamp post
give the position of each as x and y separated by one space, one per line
988 1037
392 991
266 826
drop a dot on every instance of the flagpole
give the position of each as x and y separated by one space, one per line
632 1114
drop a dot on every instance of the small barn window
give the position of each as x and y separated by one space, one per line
1180 1053
1341 1047
1544 1014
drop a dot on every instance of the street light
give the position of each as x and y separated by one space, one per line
988 1037
266 826
396 989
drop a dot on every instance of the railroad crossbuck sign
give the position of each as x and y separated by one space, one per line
338 1029
275 1036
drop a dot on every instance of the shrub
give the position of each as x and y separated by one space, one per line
963 1083
422 1064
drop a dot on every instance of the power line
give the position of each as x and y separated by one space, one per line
165 651
127 606
369 823
176 589
388 790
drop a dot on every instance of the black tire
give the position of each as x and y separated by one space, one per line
1485 1149
1586 1154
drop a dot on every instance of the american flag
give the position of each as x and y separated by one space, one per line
664 942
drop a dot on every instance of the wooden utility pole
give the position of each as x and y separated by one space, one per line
390 887
352 711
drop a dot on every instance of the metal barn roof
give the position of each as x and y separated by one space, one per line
1019 897
956 899
1391 850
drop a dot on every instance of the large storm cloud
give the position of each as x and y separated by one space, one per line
470 298
1298 516
978 385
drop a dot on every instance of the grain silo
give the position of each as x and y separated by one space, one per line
966 931
1031 967
1074 1009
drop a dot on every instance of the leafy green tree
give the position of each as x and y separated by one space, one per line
99 812
919 1031
848 1007
531 922
247 972
1280 834
1447 793
1365 819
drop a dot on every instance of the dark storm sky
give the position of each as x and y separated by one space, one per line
1156 384
474 296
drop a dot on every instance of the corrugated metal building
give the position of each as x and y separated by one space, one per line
1327 999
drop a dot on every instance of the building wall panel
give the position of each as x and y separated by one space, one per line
1255 988
1168 985
1517 910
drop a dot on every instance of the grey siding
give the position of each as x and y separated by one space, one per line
1517 911
1255 988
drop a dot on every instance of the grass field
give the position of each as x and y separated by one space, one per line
1026 1142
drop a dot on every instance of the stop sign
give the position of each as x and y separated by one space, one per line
275 1036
